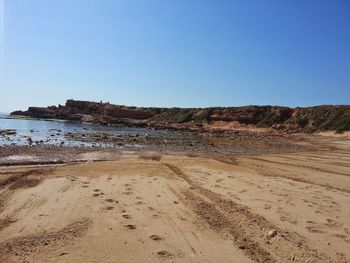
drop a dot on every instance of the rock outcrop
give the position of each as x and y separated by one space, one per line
286 119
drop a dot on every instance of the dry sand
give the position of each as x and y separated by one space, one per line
177 208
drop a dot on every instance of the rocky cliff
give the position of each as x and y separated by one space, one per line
309 119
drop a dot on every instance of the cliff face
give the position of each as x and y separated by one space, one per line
309 119
103 113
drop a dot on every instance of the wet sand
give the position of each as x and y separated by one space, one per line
156 207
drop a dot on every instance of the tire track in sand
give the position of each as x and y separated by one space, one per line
247 230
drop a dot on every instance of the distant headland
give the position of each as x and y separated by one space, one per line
275 118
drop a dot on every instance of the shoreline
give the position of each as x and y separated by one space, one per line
199 145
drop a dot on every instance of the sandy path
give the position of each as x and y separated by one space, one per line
180 209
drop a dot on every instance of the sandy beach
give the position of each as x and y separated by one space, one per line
152 207
174 131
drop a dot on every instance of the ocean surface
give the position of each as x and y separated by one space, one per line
53 132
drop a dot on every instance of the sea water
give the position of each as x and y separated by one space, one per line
55 132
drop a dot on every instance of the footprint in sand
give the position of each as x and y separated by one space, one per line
109 207
164 253
333 224
110 200
286 216
346 230
98 192
126 216
267 206
155 237
131 227
287 219
314 229
235 196
343 237
155 216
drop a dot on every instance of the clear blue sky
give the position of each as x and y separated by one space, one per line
175 52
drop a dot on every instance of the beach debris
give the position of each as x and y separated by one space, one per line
271 233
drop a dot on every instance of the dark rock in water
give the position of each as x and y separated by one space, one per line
30 141
8 132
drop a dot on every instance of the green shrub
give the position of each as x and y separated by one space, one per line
302 121
342 124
